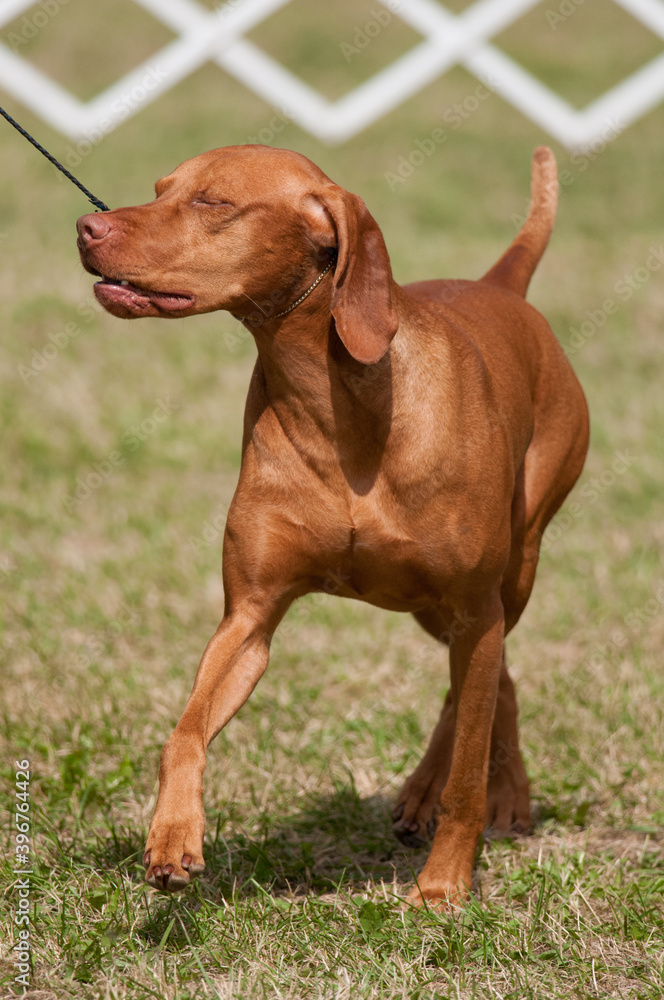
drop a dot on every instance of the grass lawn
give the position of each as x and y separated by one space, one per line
108 599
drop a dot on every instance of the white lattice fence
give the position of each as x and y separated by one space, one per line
449 39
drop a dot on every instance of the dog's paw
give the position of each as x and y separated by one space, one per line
447 877
414 828
173 857
415 815
443 897
508 801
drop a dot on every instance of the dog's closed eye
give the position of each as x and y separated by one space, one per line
208 201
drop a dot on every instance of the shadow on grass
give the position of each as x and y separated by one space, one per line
334 841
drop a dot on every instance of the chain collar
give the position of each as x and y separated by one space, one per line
308 292
302 297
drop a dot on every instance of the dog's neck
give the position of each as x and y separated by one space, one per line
320 395
302 355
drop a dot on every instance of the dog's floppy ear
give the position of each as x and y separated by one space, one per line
364 313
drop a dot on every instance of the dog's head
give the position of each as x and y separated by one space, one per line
246 229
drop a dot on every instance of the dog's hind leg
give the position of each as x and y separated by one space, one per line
508 797
475 667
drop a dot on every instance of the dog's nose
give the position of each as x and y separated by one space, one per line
92 228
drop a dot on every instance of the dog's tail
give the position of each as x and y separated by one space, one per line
515 268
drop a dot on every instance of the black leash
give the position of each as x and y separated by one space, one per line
95 201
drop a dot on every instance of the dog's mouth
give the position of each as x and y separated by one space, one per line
126 300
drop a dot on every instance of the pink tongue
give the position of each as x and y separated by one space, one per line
163 299
124 288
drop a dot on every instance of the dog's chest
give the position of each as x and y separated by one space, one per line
399 526
402 559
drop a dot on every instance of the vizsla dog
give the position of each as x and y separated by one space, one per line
410 443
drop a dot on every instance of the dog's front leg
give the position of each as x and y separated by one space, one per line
475 660
233 663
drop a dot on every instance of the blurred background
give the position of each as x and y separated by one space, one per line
121 442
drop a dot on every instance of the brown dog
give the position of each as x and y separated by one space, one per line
412 442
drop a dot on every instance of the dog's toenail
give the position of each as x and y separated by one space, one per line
168 870
398 813
186 860
414 826
146 858
157 872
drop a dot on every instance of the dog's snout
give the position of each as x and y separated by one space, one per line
92 228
